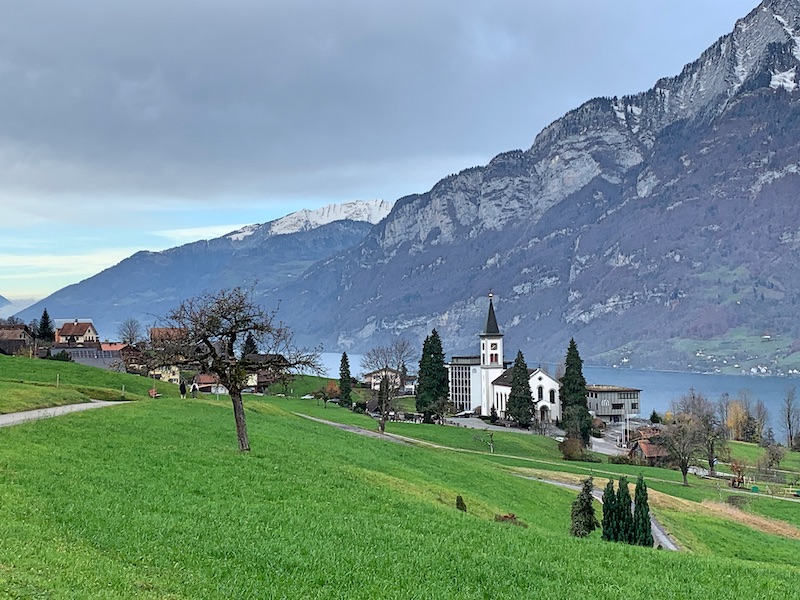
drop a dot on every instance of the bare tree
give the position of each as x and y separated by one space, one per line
207 332
710 431
130 332
761 417
682 442
391 361
790 416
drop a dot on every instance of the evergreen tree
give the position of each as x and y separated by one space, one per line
624 514
250 346
433 388
46 331
493 416
610 528
576 418
345 381
520 399
584 520
642 531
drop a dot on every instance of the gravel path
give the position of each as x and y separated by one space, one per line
45 413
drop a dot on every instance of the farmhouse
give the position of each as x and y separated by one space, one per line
14 338
373 378
78 333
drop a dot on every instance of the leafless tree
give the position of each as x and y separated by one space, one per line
393 357
207 332
790 415
761 416
710 431
130 332
682 442
488 440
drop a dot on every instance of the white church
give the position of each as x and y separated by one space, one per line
484 381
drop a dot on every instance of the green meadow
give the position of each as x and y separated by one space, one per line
150 499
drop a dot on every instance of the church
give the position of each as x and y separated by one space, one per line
480 382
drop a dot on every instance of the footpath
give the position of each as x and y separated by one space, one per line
45 413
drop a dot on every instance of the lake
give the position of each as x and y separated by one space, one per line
659 388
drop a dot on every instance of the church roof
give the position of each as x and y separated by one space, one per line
491 321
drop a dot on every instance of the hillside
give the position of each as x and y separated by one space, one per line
161 506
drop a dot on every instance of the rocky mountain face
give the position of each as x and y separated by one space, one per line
148 284
645 226
659 230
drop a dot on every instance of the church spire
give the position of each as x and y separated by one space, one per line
491 321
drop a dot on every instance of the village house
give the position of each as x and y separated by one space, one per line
77 333
373 378
649 453
15 339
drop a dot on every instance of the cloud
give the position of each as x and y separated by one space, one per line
214 100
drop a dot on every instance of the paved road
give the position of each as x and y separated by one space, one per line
54 411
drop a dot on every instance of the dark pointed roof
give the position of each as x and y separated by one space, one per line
491 321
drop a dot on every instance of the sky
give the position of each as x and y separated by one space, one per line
145 124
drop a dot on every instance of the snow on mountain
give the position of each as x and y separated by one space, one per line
367 211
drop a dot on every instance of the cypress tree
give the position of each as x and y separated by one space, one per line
520 399
345 381
584 520
433 387
624 514
610 528
576 417
643 532
46 331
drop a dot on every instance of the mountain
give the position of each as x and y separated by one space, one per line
148 284
4 302
659 229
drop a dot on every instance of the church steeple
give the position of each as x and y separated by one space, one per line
491 321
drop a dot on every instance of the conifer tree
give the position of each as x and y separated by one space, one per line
345 382
576 418
624 514
520 399
610 528
250 346
584 520
46 332
433 387
642 530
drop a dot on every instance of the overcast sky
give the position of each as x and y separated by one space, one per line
144 124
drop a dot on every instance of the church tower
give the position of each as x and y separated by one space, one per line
492 363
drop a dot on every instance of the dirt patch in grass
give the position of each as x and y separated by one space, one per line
759 523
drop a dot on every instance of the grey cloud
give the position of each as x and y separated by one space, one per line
263 99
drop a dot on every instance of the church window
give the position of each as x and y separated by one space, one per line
541 393
552 396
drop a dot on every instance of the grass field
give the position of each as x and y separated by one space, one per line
151 500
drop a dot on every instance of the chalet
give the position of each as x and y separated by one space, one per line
77 334
647 452
15 339
266 369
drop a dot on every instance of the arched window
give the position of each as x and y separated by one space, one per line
541 393
552 396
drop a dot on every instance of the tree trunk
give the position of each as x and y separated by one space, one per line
241 424
382 424
684 471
